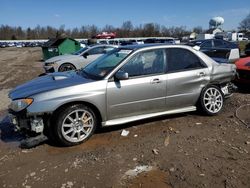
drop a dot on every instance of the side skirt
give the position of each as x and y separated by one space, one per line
145 116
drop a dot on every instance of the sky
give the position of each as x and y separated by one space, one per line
75 13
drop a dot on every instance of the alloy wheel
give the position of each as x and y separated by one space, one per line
213 100
77 125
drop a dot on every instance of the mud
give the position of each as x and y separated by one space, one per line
185 150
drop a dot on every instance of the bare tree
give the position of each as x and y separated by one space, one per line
245 24
108 28
198 30
126 30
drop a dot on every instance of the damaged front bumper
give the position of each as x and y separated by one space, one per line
22 122
32 127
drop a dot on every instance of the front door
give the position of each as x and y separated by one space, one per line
145 90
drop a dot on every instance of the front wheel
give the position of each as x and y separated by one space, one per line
74 125
211 100
66 67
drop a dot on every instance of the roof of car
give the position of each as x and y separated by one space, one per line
101 45
139 46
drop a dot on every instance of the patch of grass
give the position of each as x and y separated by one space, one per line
242 45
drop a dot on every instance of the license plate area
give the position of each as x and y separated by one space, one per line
225 90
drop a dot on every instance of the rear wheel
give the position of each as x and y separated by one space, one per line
66 67
211 100
74 125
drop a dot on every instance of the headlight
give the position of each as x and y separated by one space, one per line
51 63
20 104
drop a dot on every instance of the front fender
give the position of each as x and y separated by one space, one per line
48 102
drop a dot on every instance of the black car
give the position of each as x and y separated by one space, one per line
215 48
159 40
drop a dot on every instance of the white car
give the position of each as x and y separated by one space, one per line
77 60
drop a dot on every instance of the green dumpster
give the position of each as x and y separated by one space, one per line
59 46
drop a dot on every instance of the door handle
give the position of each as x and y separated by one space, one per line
201 74
155 81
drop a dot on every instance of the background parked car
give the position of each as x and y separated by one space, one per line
243 70
217 48
77 60
157 40
3 45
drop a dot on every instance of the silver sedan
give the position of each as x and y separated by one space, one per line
127 84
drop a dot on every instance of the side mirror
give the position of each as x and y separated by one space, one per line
85 55
120 75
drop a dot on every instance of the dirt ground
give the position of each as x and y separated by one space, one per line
181 151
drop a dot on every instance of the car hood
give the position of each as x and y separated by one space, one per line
243 63
48 82
61 57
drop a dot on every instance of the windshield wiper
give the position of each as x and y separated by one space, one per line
83 73
91 76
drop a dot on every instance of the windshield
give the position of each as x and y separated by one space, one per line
80 51
106 63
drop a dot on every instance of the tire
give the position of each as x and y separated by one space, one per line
74 125
66 67
211 100
227 55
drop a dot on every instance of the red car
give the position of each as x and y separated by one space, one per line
243 69
106 35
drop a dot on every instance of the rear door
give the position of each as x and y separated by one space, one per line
187 75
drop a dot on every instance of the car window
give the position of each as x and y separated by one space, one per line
207 44
179 59
145 63
103 65
218 43
80 51
108 48
97 50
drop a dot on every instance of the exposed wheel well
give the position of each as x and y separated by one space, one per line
212 84
93 107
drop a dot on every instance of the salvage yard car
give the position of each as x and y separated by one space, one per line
218 49
77 60
243 70
127 84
